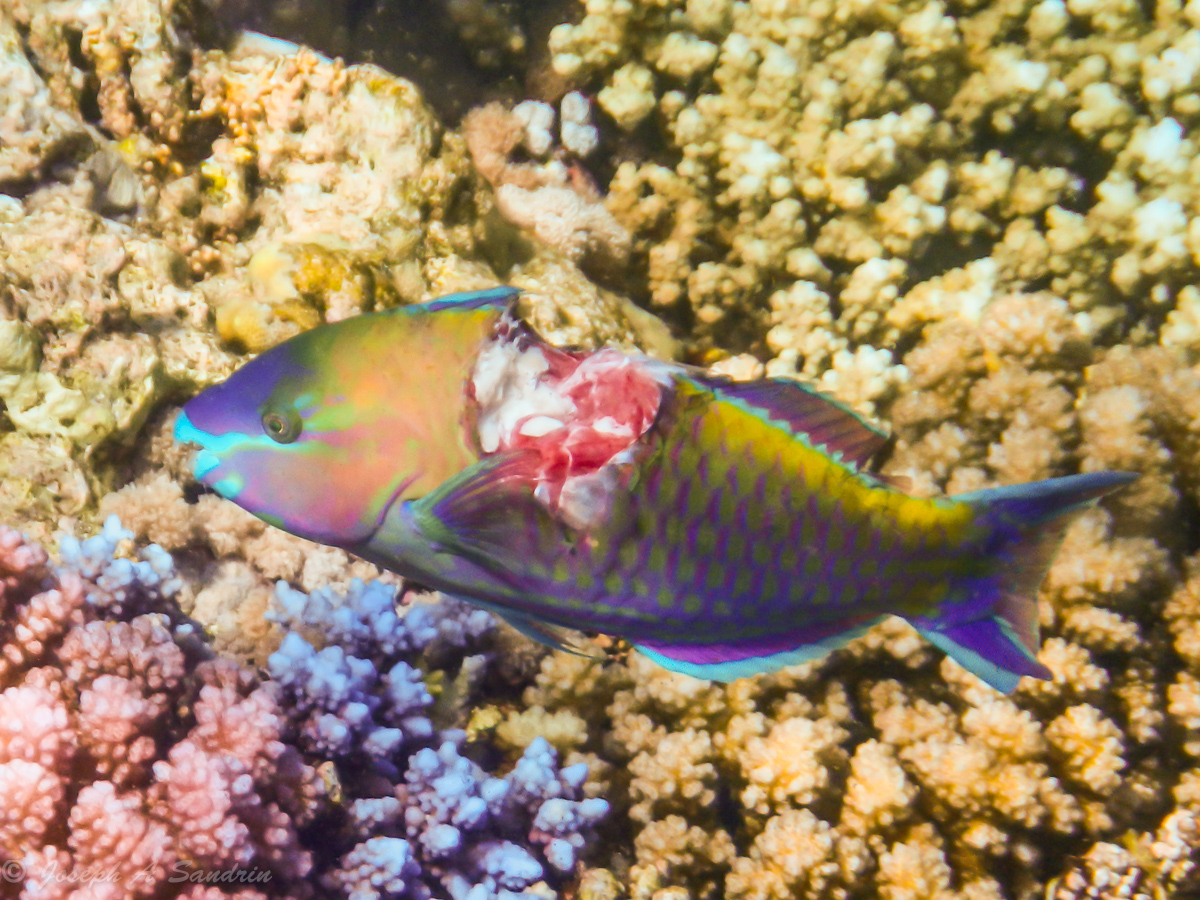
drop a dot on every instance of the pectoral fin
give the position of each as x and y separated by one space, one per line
489 514
553 636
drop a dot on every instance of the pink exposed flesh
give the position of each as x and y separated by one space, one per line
577 413
615 402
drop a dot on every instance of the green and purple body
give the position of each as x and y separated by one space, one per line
724 528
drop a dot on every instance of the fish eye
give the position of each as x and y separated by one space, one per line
282 428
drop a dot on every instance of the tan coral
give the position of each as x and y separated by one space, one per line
788 766
794 855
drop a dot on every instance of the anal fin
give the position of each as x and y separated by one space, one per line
990 648
741 659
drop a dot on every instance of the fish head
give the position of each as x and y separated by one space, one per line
321 434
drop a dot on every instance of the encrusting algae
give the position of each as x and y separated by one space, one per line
978 225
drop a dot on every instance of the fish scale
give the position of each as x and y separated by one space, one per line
728 531
671 480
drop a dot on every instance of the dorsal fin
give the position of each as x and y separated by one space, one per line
808 412
497 297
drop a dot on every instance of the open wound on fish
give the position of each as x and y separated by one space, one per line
577 415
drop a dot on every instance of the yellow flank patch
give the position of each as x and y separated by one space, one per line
675 532
657 562
697 499
706 538
627 555
745 476
763 446
770 584
715 576
808 530
735 542
613 584
866 567
685 571
743 580
940 520
728 506
821 594
835 539
584 580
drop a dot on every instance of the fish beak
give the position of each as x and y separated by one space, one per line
187 433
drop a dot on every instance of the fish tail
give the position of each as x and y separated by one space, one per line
1025 524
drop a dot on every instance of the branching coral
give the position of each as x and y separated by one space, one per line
362 702
126 749
554 199
977 222
834 160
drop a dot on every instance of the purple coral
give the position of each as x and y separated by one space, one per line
122 585
479 837
453 804
377 868
364 620
469 834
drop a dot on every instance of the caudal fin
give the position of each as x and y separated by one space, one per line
1027 522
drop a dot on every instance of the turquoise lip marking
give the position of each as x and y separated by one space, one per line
205 460
216 448
185 431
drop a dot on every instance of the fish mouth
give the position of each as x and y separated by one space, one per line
186 433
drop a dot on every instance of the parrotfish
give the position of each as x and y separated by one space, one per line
723 528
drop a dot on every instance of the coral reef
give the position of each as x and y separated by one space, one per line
133 759
845 175
362 701
555 198
977 222
459 53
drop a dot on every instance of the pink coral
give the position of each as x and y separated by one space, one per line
32 794
121 759
115 724
110 828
